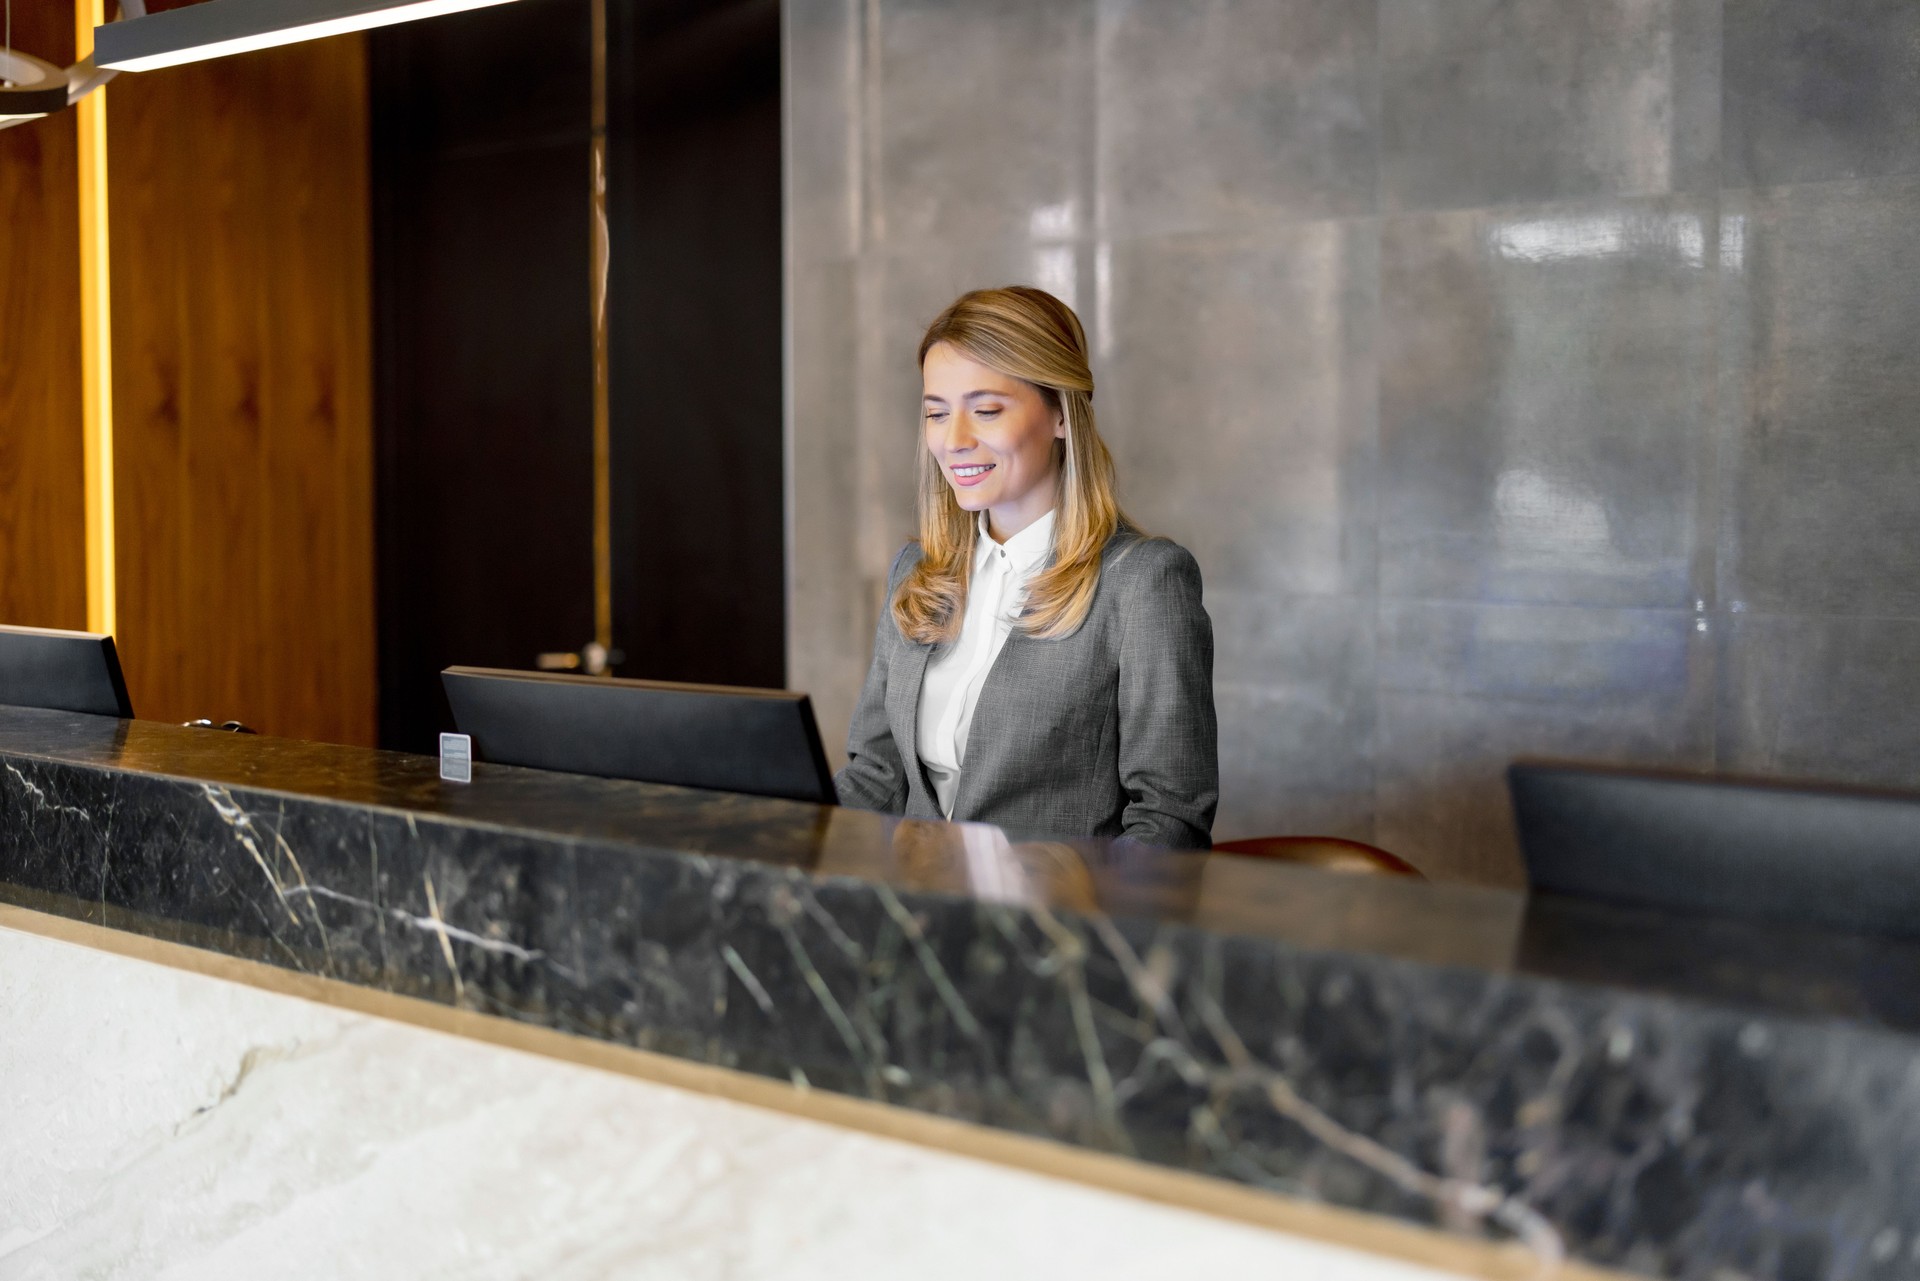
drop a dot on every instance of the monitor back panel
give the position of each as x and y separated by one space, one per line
760 742
1809 856
62 671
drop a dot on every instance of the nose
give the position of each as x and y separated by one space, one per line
959 437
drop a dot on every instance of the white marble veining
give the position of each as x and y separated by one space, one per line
161 1124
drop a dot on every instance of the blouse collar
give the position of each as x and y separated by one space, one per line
1024 551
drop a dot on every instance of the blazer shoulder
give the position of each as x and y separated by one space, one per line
1134 558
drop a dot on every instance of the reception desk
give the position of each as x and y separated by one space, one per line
282 1008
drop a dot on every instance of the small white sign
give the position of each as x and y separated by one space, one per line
456 758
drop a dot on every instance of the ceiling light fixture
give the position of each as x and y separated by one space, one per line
31 87
214 28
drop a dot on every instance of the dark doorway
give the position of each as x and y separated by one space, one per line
694 185
483 345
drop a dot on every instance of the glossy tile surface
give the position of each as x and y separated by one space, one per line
1293 687
1222 113
1334 1038
1266 475
1822 698
825 642
1821 389
1467 689
978 121
1487 102
1545 395
821 73
1817 90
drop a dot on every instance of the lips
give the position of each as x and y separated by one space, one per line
970 474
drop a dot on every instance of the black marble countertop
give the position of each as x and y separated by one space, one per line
1676 1096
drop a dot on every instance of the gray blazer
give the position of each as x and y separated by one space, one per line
1107 732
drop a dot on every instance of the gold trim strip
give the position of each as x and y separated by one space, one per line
602 417
96 337
1352 1229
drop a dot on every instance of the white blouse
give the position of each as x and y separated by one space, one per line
952 684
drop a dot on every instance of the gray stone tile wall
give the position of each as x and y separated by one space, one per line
1529 378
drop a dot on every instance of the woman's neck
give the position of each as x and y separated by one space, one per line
1004 522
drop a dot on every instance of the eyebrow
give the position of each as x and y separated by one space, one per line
972 395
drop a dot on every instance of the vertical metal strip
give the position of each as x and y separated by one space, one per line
602 425
96 336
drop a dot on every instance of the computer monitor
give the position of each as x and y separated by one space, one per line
62 671
762 742
1795 854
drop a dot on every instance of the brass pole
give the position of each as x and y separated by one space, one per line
602 426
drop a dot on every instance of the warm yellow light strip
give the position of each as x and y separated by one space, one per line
96 336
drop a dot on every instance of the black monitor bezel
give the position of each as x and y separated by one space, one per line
100 650
823 794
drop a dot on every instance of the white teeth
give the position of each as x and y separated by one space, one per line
972 471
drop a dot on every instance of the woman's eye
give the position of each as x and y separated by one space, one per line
986 413
934 416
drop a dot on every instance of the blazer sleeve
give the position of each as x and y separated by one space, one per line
874 777
1169 738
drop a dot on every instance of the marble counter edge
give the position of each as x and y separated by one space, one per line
1507 1260
1359 949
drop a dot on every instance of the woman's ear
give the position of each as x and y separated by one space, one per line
1059 425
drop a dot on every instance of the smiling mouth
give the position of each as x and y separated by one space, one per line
972 471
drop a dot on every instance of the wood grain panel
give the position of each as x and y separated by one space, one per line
320 537
242 367
42 502
149 249
227 506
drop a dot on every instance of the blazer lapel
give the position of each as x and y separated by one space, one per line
903 708
982 746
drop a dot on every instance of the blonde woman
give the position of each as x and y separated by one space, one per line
1041 665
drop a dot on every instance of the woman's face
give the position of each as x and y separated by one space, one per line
992 436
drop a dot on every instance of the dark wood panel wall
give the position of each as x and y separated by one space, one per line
484 363
484 367
43 580
241 369
699 493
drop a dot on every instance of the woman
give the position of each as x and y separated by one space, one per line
1041 665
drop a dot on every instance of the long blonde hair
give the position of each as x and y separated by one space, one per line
1027 334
